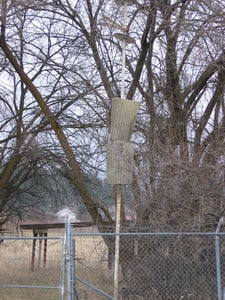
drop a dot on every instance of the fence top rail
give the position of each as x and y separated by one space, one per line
149 234
31 238
29 286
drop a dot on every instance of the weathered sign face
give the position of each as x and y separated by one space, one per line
120 162
123 117
120 150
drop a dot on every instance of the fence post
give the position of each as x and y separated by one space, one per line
73 290
218 271
68 260
63 265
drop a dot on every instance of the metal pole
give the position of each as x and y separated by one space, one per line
68 262
73 269
124 53
218 271
63 265
118 186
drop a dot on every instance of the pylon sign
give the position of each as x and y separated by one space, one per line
120 150
120 162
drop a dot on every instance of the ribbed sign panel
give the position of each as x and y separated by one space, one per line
120 162
123 116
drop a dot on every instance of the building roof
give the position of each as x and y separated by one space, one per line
38 224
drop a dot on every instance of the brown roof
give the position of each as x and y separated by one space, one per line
51 222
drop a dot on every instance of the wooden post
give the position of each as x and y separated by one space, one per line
39 233
117 242
39 249
33 250
45 248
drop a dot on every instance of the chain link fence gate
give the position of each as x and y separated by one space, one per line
48 276
23 278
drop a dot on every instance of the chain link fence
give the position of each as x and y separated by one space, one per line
80 266
153 266
22 277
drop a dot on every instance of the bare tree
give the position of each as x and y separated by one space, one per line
65 59
175 68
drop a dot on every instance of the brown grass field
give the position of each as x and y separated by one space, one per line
15 269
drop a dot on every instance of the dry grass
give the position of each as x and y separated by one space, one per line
15 268
92 266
